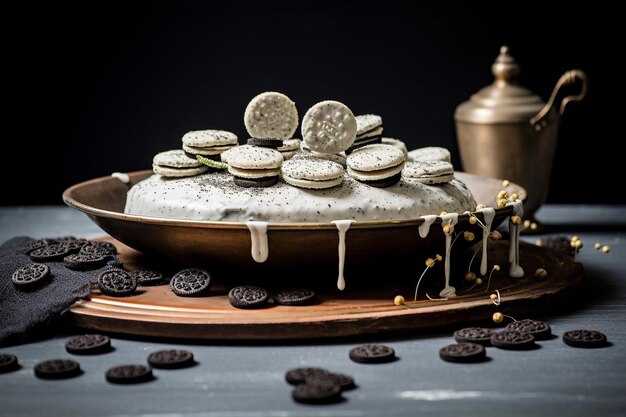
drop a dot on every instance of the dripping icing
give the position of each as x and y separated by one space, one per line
488 215
424 228
258 237
342 226
451 219
515 270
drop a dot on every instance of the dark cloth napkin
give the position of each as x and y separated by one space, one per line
24 313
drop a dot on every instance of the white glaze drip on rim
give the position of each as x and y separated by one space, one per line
258 235
488 215
515 270
122 177
342 226
448 219
424 228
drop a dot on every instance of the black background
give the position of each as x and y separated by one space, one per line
97 87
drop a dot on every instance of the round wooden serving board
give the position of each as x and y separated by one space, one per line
156 311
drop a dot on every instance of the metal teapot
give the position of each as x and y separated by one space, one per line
505 131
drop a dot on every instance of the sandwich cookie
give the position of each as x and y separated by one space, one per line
428 172
208 143
289 148
313 174
397 143
271 115
176 164
253 166
329 127
376 165
430 153
369 131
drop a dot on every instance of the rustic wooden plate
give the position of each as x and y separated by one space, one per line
363 310
227 244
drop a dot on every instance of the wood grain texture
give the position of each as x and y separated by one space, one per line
156 311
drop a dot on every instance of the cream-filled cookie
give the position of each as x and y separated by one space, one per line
430 153
377 165
428 172
209 143
175 163
312 173
271 115
253 166
289 148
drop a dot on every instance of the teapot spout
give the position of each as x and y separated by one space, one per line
540 121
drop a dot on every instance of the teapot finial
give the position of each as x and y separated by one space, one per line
505 69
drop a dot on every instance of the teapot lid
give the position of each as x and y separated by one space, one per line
503 101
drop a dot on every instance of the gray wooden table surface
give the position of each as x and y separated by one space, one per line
248 379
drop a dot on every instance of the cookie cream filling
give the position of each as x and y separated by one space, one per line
214 197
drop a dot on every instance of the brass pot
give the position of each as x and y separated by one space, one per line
506 131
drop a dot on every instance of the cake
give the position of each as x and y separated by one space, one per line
249 187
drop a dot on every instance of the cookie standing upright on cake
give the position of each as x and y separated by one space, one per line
329 127
271 115
208 143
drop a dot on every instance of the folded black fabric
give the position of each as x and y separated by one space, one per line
24 313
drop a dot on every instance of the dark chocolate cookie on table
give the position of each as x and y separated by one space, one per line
129 374
50 253
30 276
248 297
540 329
478 335
372 354
585 338
57 369
88 344
463 353
84 261
148 278
8 363
171 359
513 340
320 393
116 282
191 282
294 297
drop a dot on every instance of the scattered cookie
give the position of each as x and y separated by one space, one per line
265 143
191 282
430 153
35 244
171 359
129 374
513 340
294 297
478 335
257 166
73 245
289 148
428 172
320 393
208 143
329 127
8 363
148 278
57 369
271 115
176 164
585 338
248 297
298 375
540 329
344 382
88 344
377 165
313 174
30 276
116 282
372 354
463 353
50 253
84 261
99 247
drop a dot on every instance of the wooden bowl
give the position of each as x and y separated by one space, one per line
228 244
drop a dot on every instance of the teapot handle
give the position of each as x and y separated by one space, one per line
540 121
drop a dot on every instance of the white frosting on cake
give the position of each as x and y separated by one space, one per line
214 197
